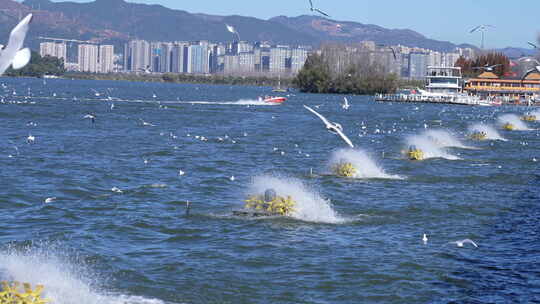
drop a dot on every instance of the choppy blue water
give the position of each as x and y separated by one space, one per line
352 241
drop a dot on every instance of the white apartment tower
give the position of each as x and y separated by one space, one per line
106 58
58 50
88 58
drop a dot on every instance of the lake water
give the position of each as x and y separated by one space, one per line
115 229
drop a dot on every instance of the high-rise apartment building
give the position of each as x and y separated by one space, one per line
418 63
58 50
278 59
106 58
88 58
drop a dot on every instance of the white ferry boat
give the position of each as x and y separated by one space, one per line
443 85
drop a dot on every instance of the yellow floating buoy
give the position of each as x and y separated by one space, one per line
278 206
508 126
416 154
345 170
11 294
528 117
479 136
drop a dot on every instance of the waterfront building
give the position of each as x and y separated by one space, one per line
278 59
165 58
418 63
138 55
106 58
298 59
88 58
511 88
58 50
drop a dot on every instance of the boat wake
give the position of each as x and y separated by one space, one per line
514 120
444 139
309 205
241 102
491 133
66 280
429 147
366 167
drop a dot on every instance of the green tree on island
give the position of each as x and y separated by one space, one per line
339 69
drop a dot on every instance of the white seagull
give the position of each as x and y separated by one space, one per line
345 104
425 239
92 117
146 124
313 9
12 54
231 29
332 126
30 139
488 68
536 69
463 242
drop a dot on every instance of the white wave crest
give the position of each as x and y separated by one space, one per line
367 168
65 281
309 207
491 132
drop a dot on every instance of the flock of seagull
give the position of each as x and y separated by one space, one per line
17 57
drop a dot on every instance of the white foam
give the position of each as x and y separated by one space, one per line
310 206
430 149
65 281
490 131
366 167
241 102
444 139
514 120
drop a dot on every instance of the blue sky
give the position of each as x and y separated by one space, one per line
516 21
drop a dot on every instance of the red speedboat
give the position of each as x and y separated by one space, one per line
273 99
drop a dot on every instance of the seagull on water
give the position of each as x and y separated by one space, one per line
146 124
12 54
30 139
461 243
332 127
50 200
90 116
181 173
314 9
425 239
345 104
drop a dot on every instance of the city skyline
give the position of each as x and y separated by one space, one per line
433 20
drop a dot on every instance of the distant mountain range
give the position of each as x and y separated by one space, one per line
117 21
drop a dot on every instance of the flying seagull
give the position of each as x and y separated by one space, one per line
313 9
332 126
534 46
463 242
389 47
535 70
487 67
231 29
12 54
345 104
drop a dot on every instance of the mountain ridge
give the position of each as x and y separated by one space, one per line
117 21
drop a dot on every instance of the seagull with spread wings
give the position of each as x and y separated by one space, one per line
314 9
487 67
333 127
12 54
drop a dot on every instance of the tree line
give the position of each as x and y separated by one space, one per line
339 69
474 67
